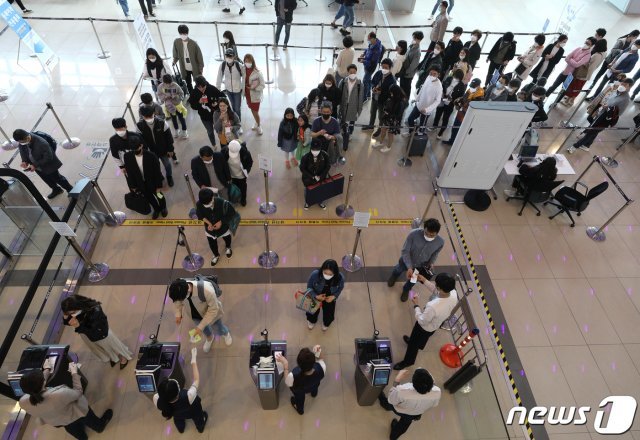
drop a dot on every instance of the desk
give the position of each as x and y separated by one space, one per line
563 165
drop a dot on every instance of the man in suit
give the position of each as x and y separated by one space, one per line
144 175
187 52
210 170
37 155
623 63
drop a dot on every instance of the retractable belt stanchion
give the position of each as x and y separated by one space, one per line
105 53
219 57
274 54
192 262
266 61
351 262
267 207
98 271
9 144
611 162
268 259
192 211
346 210
69 143
164 49
320 58
418 222
405 161
116 217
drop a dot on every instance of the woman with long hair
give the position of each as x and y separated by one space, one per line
154 68
287 140
391 118
228 42
325 284
328 91
85 315
253 87
226 123
303 138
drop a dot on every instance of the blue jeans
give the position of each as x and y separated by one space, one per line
166 161
349 17
340 13
366 82
287 31
415 113
235 98
217 328
125 7
398 270
437 5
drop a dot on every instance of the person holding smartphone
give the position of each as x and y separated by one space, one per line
306 377
325 284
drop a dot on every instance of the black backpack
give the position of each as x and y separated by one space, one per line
47 137
200 280
382 51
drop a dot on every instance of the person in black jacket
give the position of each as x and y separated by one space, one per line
430 60
87 318
210 170
537 97
512 88
37 155
328 91
531 175
473 46
144 175
240 162
204 99
284 17
157 139
381 82
216 213
315 167
500 54
119 142
452 89
551 56
452 51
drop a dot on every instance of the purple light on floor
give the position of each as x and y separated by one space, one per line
167 430
522 373
284 260
474 413
281 424
585 328
554 368
606 229
317 423
502 328
133 299
582 368
118 172
629 291
337 375
527 328
413 198
504 293
538 258
487 330
284 336
481 257
441 415
11 301
266 297
141 337
258 200
255 260
530 292
554 329
179 338
630 228
613 366
250 338
120 383
34 434
510 257
486 227
167 300
245 426
453 257
394 174
564 258
592 292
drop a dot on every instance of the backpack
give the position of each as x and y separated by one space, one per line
237 64
47 137
302 105
382 51
200 280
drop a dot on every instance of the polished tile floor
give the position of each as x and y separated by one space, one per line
571 304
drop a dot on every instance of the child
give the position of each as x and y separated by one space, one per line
303 137
287 137
147 101
171 95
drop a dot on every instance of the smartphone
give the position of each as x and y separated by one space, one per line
277 353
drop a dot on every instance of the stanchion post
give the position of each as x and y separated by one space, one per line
404 161
164 49
611 162
192 211
274 55
117 217
70 142
192 262
219 57
268 259
320 58
333 56
419 222
105 53
597 234
130 110
266 60
97 271
345 210
9 144
267 207
352 262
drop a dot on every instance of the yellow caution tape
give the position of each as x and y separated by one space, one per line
271 222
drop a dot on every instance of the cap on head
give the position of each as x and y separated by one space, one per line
475 82
234 148
229 52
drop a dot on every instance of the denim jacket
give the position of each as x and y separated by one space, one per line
316 283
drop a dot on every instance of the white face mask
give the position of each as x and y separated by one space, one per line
326 277
315 152
149 121
462 57
121 133
209 205
229 59
499 85
509 89
455 81
208 161
622 89
152 59
535 98
225 40
384 71
352 76
429 238
562 44
634 48
586 46
472 89
434 78
184 37
328 85
415 41
474 38
436 51
248 65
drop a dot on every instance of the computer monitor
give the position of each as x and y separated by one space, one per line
528 151
381 376
15 386
146 382
266 380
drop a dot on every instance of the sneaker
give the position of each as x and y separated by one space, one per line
306 206
240 131
27 11
439 137
431 128
178 133
322 205
284 47
324 328
293 403
185 134
105 419
242 10
254 128
334 25
206 417
571 149
400 366
314 393
448 142
583 148
228 340
176 162
155 215
310 325
207 345
404 296
152 14
164 212
392 280
170 180
55 193
376 133
367 127
214 261
226 10
406 339
385 149
228 252
259 130
377 144
510 192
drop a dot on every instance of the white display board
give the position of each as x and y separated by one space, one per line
489 133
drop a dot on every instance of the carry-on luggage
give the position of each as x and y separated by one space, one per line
135 201
177 77
321 191
418 145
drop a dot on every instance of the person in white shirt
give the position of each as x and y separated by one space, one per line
345 59
428 99
410 400
429 319
306 377
232 73
181 404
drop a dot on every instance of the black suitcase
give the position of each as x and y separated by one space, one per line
418 145
137 202
177 77
321 191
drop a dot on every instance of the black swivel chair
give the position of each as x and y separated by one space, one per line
569 199
537 192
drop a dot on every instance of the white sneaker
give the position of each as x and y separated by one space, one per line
385 149
207 345
227 339
259 129
178 133
324 328
255 127
571 150
240 130
185 134
377 144
311 325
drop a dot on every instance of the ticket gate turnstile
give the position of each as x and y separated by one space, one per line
266 375
373 368
156 362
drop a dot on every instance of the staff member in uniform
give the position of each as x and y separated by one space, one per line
429 319
326 285
60 406
182 404
306 377
420 251
410 400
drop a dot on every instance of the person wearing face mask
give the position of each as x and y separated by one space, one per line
226 123
452 89
216 214
232 74
428 99
391 118
240 162
463 64
284 18
146 100
419 253
187 52
429 319
623 63
497 91
381 82
229 42
473 48
157 138
431 60
622 44
439 26
329 91
411 63
370 59
171 95
451 51
512 89
119 142
305 377
314 167
530 57
352 92
399 58
537 97
611 107
345 59
500 54
551 56
88 319
326 285
287 141
154 68
583 73
253 88
579 56
327 129
37 155
474 93
210 170
204 99
144 175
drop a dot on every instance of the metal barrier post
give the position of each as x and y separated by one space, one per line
268 259
352 262
105 53
219 57
333 56
345 210
116 217
611 161
192 211
70 142
98 271
597 234
418 222
267 207
133 116
274 55
320 58
266 60
164 49
9 144
192 262
404 161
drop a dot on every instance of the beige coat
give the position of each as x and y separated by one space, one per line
256 79
529 59
594 63
439 27
195 56
210 310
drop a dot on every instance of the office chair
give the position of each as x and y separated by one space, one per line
569 199
537 192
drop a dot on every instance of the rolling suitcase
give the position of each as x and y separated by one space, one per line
321 191
418 145
177 77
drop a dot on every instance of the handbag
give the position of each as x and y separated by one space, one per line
235 219
135 201
306 302
301 150
520 69
235 195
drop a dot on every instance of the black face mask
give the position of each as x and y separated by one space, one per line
139 152
66 320
326 117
